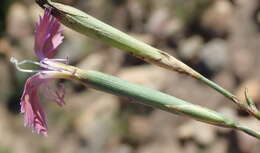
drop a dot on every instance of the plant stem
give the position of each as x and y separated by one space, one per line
150 97
94 28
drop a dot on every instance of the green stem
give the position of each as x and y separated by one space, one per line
150 97
218 88
249 131
92 27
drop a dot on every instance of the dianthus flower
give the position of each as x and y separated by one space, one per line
47 38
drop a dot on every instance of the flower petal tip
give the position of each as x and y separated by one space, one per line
47 36
34 116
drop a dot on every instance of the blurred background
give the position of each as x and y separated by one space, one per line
218 38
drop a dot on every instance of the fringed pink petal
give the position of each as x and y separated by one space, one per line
47 36
34 116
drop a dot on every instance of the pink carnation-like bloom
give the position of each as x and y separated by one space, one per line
47 38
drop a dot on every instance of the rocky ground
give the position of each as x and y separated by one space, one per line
218 38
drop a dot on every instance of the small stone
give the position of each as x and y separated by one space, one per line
217 18
220 146
18 22
214 54
190 47
159 147
96 123
185 131
173 27
202 133
122 149
157 22
242 62
146 75
140 128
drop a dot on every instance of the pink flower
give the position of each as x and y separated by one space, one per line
47 38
